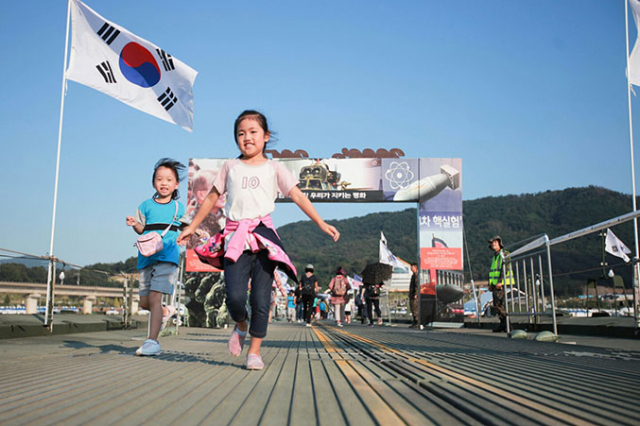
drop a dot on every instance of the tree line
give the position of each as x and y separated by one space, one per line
96 275
513 217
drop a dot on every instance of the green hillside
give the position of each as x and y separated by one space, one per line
514 217
357 246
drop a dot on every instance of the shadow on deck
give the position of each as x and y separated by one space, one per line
319 375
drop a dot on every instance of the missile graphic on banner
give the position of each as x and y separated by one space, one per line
427 188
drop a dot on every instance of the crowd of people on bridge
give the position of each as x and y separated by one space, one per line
343 302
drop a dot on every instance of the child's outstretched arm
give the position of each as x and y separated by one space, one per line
305 205
207 205
137 226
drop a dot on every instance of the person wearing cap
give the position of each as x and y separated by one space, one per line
309 291
497 281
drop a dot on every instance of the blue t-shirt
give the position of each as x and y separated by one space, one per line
152 212
290 303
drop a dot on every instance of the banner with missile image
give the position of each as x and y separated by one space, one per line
433 183
436 185
440 214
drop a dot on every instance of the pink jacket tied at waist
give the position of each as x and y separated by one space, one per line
212 251
242 230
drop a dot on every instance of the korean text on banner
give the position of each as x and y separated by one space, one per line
114 61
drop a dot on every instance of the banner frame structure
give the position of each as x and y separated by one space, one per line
433 183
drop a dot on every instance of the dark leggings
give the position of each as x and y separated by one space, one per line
362 312
259 268
307 302
371 302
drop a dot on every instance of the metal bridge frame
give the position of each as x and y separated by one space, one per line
534 306
542 243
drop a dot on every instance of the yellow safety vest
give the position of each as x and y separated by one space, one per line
496 271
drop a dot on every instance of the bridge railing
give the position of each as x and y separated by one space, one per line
529 265
537 246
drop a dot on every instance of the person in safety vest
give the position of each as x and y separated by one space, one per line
497 281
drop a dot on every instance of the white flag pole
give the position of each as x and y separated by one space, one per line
48 319
636 265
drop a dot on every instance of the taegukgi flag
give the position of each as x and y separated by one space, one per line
110 59
616 247
633 72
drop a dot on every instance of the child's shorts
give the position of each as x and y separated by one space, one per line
158 277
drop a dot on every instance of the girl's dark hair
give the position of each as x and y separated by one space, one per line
340 271
262 121
177 168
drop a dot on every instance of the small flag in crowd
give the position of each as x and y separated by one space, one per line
357 281
614 246
114 61
386 256
633 73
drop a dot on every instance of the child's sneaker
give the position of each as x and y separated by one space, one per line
149 348
167 312
254 362
236 340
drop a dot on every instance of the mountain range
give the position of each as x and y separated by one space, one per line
513 217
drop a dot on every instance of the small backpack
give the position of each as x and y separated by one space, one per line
339 287
308 289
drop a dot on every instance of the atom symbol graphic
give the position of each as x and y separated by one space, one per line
399 175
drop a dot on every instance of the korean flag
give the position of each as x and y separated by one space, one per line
110 59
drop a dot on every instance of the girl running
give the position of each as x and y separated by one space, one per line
249 246
158 272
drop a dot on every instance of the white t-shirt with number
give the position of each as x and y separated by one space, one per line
252 190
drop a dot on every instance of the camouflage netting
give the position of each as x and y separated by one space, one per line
206 306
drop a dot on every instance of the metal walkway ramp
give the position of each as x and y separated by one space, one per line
319 375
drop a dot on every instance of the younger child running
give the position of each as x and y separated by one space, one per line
249 246
158 272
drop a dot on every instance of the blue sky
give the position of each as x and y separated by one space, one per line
531 95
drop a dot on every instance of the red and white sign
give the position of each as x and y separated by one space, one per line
441 258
